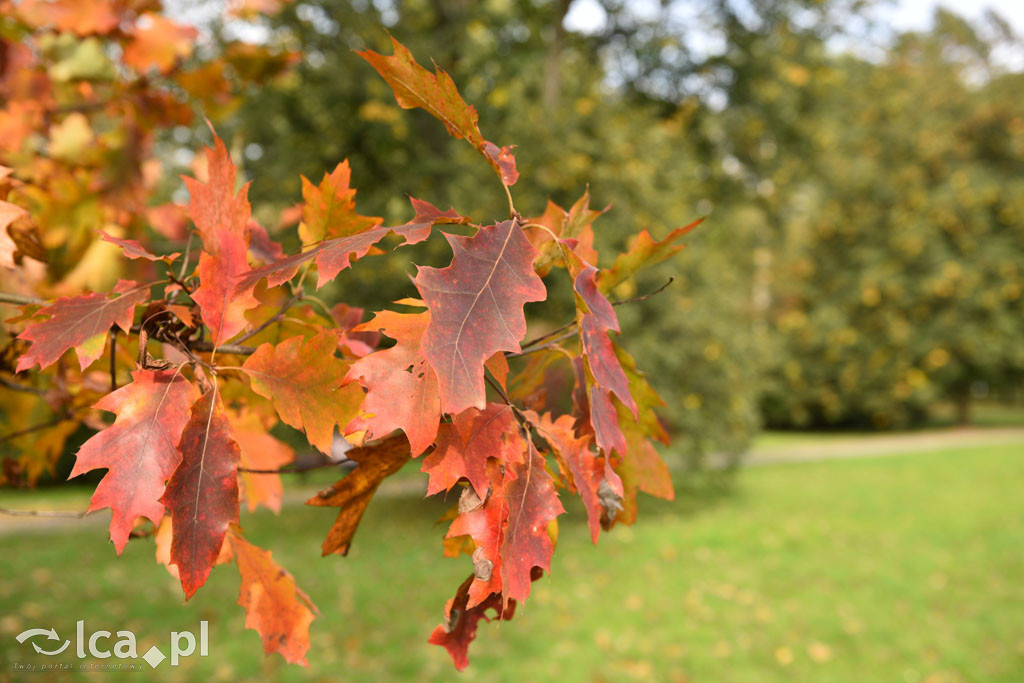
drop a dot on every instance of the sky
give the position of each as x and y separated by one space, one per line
586 15
897 15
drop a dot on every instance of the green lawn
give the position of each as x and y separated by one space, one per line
903 568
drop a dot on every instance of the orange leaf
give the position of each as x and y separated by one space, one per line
353 493
415 87
306 382
275 607
402 390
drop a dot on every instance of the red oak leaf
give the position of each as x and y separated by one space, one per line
640 466
605 420
643 251
8 214
353 493
476 308
221 215
274 605
81 17
81 322
158 43
306 382
401 388
134 250
597 322
335 255
415 87
586 469
202 494
259 451
139 450
461 622
464 446
532 505
260 244
164 537
484 520
330 208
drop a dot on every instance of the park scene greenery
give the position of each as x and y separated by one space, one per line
837 351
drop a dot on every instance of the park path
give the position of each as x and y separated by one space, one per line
815 448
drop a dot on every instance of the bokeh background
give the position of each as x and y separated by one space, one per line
856 291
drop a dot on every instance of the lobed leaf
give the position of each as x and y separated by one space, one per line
202 493
353 493
401 387
274 605
306 383
476 308
81 322
139 450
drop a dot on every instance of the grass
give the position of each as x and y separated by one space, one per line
904 568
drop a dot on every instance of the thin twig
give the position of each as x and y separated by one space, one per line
18 299
511 205
34 428
295 469
568 326
113 358
648 295
277 316
20 387
43 513
233 349
552 345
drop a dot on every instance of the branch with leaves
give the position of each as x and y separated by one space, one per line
457 388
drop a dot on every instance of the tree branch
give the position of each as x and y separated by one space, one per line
18 299
34 428
43 513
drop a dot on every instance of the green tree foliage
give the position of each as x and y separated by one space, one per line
900 280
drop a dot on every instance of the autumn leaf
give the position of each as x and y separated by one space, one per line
261 246
415 87
164 538
532 505
483 519
330 208
82 323
596 324
306 382
158 43
353 493
586 469
202 494
221 215
461 622
336 255
274 605
133 249
259 451
82 17
643 252
465 444
139 450
476 308
401 387
574 228
640 466
8 214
